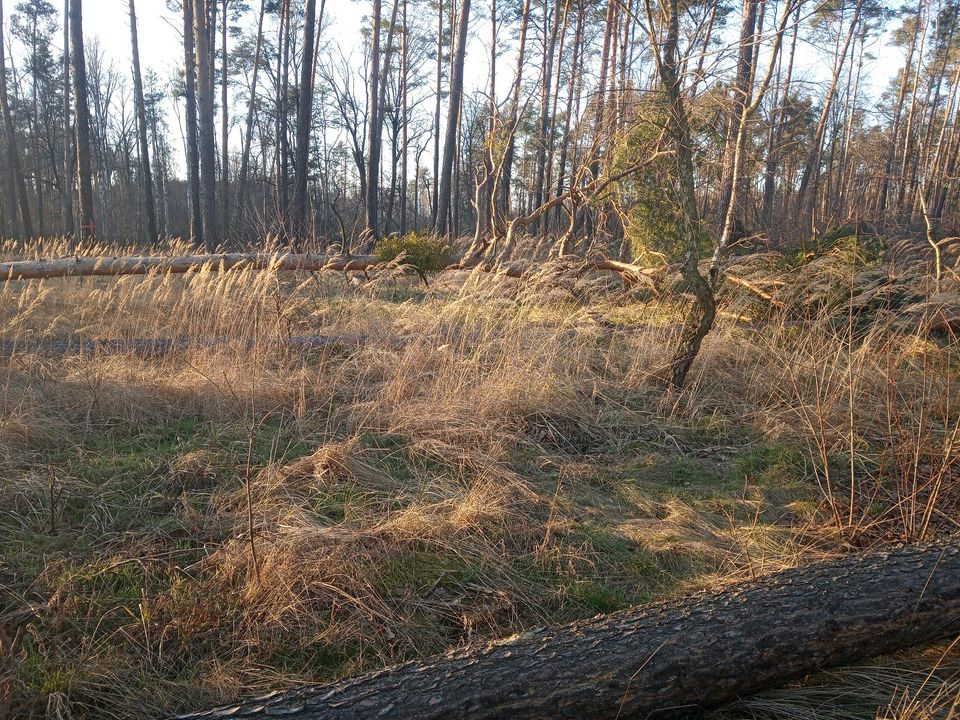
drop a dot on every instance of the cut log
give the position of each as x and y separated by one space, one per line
89 266
663 660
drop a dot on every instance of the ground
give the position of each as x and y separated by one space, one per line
248 511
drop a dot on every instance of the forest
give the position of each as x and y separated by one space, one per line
480 359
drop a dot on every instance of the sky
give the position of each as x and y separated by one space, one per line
160 31
161 41
160 36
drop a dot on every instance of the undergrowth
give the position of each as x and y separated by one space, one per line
450 464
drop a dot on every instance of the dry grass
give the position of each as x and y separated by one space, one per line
471 460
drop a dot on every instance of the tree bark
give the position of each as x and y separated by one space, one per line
666 660
453 118
17 182
241 194
502 191
434 194
405 113
82 120
224 119
545 91
704 311
742 98
806 194
372 199
146 176
304 124
207 132
193 149
68 145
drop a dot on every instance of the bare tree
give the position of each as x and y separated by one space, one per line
304 122
16 185
146 178
205 110
82 118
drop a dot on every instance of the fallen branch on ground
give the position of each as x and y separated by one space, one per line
109 266
663 660
755 289
113 266
158 347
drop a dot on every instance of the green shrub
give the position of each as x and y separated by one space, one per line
653 218
427 253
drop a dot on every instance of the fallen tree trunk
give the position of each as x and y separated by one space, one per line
159 347
663 660
89 266
143 265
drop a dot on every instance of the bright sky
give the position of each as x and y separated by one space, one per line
161 49
161 46
161 36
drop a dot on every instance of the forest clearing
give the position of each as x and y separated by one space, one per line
479 359
462 461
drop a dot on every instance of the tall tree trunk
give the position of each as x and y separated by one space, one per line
891 153
18 196
502 194
742 97
575 66
146 176
544 119
282 120
453 117
82 119
241 194
68 144
372 199
224 121
751 101
405 110
301 227
703 312
806 194
205 108
777 124
436 115
485 185
381 111
193 148
554 105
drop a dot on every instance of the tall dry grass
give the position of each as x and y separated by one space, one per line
460 462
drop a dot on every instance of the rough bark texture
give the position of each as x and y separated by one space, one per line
81 110
193 147
372 198
701 315
205 112
450 141
664 660
12 153
146 177
302 228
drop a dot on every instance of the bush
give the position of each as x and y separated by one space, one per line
653 218
427 253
